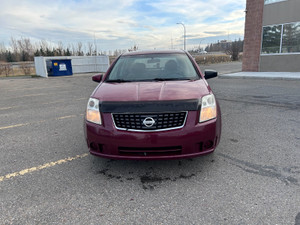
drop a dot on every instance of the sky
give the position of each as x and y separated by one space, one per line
121 24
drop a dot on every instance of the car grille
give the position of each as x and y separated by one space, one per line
149 122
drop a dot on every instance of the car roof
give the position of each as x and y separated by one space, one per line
146 52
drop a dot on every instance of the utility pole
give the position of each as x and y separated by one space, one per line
184 36
95 52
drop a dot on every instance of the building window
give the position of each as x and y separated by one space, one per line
273 1
291 38
283 38
271 39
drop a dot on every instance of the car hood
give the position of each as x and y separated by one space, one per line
151 91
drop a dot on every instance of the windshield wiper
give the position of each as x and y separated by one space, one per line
117 81
168 79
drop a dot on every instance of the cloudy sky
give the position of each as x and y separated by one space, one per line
120 24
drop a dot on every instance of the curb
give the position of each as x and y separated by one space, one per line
261 75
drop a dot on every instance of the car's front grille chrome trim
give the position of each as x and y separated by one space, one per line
149 122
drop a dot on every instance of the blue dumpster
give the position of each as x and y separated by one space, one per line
61 67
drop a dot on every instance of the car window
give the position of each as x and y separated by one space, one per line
153 67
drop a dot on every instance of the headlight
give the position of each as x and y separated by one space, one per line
92 111
208 108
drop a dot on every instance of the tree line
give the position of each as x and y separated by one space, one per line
24 49
230 48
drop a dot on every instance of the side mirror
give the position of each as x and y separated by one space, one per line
210 74
97 78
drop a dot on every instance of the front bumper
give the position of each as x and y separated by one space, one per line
194 139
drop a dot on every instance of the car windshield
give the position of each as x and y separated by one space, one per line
153 67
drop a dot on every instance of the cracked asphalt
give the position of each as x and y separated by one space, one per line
47 177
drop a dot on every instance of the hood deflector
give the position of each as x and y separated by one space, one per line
150 106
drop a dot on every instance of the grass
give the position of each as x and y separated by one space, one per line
211 59
16 72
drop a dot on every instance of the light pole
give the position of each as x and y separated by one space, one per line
184 36
200 44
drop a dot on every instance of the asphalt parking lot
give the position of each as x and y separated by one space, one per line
48 177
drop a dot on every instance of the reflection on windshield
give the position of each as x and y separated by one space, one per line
153 67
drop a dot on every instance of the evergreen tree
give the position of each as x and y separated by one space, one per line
9 56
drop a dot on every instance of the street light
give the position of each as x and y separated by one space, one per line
200 43
184 36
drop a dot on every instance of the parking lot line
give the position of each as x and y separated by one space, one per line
59 101
35 88
78 99
66 117
16 125
38 94
47 103
31 95
41 121
40 167
5 108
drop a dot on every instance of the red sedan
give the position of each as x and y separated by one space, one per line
153 105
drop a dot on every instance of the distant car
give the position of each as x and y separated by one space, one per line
153 105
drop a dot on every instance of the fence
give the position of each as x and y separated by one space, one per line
16 68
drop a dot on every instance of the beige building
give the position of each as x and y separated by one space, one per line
272 36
